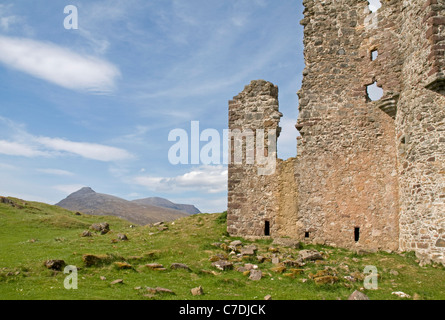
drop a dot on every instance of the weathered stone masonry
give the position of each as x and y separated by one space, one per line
368 174
420 125
252 197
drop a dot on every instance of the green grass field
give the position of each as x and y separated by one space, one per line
31 233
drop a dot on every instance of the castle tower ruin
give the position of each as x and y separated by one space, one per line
370 172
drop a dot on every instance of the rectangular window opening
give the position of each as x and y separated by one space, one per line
306 234
267 228
357 234
374 54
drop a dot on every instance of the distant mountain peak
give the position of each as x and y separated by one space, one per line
86 200
164 203
84 191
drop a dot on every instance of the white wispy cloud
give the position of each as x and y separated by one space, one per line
12 148
6 22
58 65
6 18
87 150
22 143
57 172
99 45
137 136
183 12
105 22
206 179
200 73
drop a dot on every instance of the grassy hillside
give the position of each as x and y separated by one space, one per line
31 233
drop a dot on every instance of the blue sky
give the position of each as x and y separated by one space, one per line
94 106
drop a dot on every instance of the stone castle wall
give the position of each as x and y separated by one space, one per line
347 170
420 132
368 174
252 196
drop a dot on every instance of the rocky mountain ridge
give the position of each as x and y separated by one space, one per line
140 211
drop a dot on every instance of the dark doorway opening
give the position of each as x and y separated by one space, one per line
267 228
357 234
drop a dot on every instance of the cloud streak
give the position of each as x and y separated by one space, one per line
11 148
206 179
58 65
85 149
27 145
56 172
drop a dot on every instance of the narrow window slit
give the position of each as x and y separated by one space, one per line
374 54
267 228
357 234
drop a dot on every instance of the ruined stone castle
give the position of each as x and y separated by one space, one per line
368 174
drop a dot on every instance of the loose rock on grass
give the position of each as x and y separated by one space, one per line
357 295
197 291
103 227
223 265
179 266
57 265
